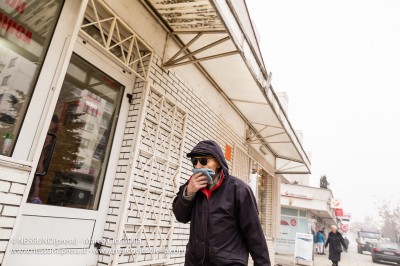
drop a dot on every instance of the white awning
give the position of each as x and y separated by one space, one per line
218 37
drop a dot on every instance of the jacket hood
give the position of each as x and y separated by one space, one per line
210 147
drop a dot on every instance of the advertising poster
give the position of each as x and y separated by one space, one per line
303 247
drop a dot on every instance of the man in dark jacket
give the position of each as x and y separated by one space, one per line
223 216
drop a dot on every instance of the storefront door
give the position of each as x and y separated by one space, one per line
68 200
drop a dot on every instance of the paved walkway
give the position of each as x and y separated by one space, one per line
351 258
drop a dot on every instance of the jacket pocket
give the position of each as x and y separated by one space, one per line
226 258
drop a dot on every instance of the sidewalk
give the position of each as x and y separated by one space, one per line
283 260
352 258
287 260
319 260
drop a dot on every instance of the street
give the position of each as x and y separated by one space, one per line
351 258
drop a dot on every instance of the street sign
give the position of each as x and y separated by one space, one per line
345 227
339 212
347 215
336 204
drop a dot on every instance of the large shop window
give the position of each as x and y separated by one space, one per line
75 155
26 28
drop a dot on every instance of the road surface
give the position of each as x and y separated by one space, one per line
351 258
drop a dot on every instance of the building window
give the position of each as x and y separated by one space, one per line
90 108
85 143
12 62
5 80
89 127
291 212
94 96
27 26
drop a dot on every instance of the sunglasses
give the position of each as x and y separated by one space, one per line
202 160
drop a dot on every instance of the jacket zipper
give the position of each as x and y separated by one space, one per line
208 196
205 241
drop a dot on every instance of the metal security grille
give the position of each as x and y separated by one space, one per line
113 36
148 223
241 164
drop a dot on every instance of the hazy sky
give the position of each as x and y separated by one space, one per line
339 62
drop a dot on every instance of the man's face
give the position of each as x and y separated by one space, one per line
205 162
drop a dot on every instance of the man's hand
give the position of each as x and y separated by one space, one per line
197 182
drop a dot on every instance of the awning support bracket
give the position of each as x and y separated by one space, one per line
189 58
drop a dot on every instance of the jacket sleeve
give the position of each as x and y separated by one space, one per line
343 242
327 241
250 227
181 206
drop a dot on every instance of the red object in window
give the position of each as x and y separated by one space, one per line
283 222
376 250
293 222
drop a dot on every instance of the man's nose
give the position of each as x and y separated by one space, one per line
198 165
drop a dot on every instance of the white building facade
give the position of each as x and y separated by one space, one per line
304 209
99 103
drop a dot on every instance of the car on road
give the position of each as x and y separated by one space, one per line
367 239
389 252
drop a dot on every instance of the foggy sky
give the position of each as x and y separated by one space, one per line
339 62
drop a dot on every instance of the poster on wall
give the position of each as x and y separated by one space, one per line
285 243
303 248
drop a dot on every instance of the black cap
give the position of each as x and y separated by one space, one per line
198 154
205 148
212 149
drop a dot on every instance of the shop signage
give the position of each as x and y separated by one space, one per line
336 204
339 212
297 195
10 26
18 5
347 215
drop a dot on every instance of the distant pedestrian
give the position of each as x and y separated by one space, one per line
314 240
320 243
324 234
335 241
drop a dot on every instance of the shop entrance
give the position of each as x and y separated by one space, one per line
67 204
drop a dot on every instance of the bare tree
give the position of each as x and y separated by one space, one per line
369 223
390 217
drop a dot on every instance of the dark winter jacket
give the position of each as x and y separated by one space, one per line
224 222
335 242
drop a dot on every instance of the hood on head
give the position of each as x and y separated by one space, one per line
210 147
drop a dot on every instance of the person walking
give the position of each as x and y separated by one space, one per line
223 216
320 243
335 241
